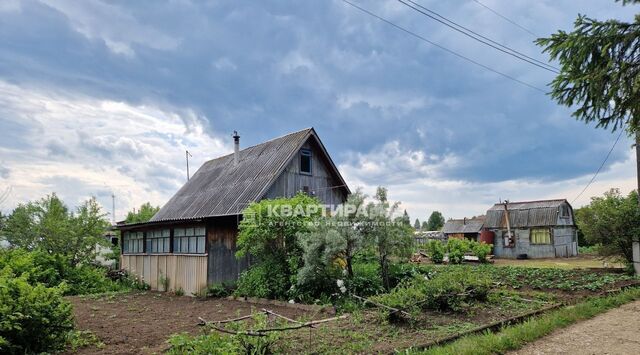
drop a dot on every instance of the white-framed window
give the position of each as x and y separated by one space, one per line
540 236
189 240
132 243
158 241
305 161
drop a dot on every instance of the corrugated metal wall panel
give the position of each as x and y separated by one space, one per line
188 272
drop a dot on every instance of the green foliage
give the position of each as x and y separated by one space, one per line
179 292
217 343
366 280
514 337
456 249
219 290
598 70
589 250
78 339
265 280
416 224
270 232
143 214
435 249
612 221
389 237
481 250
33 319
435 222
447 289
550 278
48 225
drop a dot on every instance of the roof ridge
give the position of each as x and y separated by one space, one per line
265 142
532 201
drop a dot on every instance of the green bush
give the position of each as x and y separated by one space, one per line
457 248
435 250
216 343
265 280
481 250
52 270
366 280
33 319
448 289
219 290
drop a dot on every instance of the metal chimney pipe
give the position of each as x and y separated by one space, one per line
236 147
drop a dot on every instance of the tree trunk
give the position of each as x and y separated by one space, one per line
638 161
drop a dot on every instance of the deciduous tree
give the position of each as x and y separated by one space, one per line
436 221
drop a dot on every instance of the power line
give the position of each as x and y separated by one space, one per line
601 166
442 47
506 18
478 37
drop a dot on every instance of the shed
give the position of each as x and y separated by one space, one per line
191 241
539 229
467 228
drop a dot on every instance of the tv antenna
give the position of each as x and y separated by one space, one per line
187 155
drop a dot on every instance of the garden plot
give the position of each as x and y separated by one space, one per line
143 321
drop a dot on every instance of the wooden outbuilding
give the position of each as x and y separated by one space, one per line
533 229
191 242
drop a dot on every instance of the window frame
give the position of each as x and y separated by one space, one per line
306 153
133 243
548 233
159 236
192 235
564 212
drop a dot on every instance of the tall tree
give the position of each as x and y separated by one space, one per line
600 73
436 221
611 220
389 236
416 224
49 225
144 213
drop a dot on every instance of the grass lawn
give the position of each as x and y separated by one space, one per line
579 262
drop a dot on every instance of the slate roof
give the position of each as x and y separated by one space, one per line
455 226
526 214
221 188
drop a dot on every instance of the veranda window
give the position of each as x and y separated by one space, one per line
189 240
540 236
158 241
132 242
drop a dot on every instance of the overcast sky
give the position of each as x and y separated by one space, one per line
101 97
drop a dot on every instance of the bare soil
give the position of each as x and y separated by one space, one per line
613 332
141 322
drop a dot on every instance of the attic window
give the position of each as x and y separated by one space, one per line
564 211
305 161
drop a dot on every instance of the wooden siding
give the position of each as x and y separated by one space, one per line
188 272
320 182
222 234
563 244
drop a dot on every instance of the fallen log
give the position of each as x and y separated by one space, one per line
301 325
204 322
261 332
280 316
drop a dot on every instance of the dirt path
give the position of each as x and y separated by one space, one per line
614 332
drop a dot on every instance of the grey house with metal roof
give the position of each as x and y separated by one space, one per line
539 229
191 241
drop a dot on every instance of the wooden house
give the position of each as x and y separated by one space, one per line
465 228
539 229
191 241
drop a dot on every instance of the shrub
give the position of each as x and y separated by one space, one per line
216 343
481 250
457 248
265 280
365 281
33 319
448 289
435 250
220 290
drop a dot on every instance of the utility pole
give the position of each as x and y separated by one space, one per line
635 245
187 155
113 208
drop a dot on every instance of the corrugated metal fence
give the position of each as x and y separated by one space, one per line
186 272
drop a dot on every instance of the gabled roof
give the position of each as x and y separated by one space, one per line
526 214
466 225
221 187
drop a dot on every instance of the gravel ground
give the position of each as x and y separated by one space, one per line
614 332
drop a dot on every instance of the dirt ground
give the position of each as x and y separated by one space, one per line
613 332
130 324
